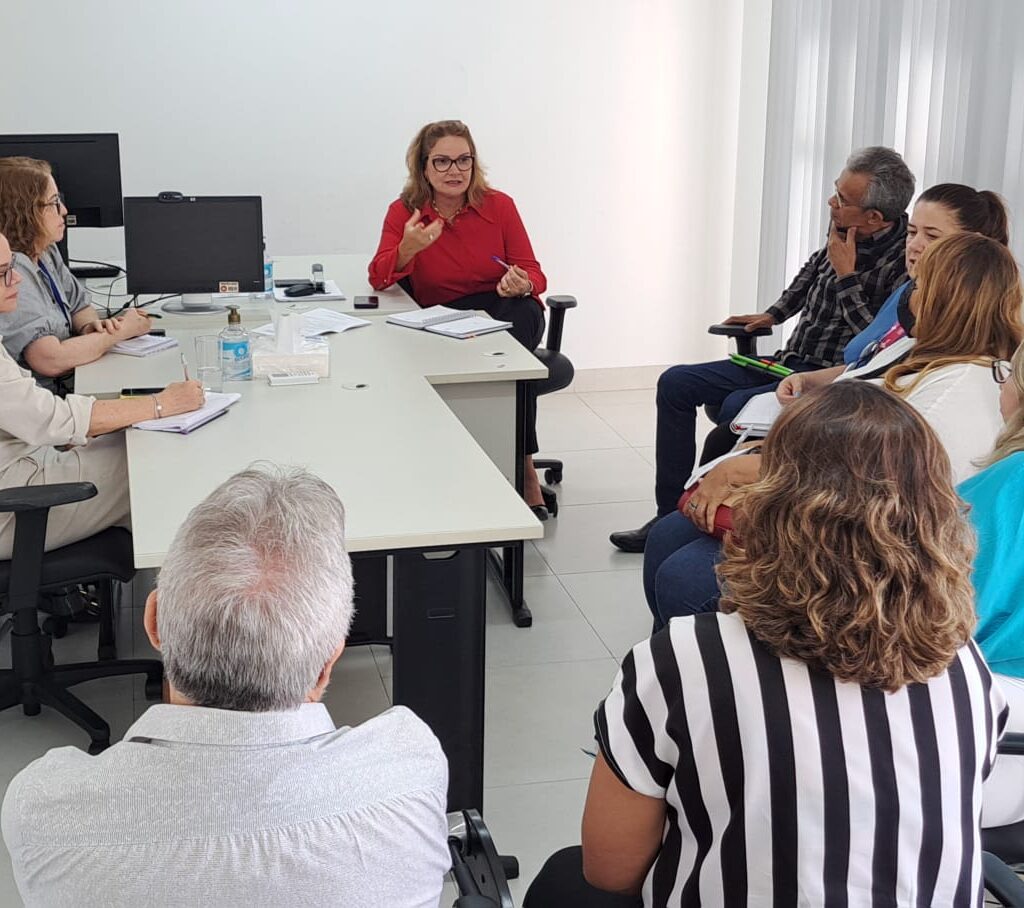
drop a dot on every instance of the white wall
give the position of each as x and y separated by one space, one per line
612 124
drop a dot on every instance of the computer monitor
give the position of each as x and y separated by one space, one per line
192 245
87 169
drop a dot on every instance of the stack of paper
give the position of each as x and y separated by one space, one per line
450 322
144 345
216 405
319 321
757 415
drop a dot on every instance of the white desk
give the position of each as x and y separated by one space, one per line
404 459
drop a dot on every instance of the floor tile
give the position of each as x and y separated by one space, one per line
577 540
647 453
613 602
637 397
534 821
534 564
635 423
536 718
612 474
559 633
571 425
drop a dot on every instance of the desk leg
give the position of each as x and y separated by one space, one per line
439 626
512 556
370 624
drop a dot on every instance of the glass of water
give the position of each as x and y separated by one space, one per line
208 365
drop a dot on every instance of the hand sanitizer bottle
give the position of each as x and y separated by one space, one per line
235 349
268 272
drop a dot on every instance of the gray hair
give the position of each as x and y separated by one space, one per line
892 183
255 594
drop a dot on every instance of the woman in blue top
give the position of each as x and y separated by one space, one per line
996 497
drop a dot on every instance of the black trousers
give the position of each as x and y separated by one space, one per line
527 327
560 884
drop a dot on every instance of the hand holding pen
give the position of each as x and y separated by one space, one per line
515 281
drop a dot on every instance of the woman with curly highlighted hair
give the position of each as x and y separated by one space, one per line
824 737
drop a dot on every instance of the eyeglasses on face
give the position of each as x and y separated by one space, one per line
57 202
1001 371
7 273
442 163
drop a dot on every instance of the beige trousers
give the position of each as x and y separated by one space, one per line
102 462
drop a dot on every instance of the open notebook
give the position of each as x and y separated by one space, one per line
216 405
449 322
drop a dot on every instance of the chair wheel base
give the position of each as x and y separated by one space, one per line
550 500
56 627
553 476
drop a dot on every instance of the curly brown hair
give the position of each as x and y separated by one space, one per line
851 553
23 186
417 190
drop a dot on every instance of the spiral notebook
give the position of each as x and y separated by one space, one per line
216 405
449 322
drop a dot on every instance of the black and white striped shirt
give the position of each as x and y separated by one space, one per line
786 787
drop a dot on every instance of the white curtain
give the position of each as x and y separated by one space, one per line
941 81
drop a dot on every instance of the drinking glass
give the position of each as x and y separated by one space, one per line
208 365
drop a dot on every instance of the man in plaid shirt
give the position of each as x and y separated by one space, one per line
837 293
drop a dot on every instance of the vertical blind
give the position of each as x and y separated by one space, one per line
941 81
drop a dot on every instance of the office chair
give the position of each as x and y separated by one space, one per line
560 375
33 680
746 345
481 874
1007 842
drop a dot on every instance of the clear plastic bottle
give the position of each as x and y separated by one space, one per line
235 349
268 272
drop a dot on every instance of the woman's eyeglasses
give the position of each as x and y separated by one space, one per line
7 274
442 163
57 202
1001 371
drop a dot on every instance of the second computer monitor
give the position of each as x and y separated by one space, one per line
193 245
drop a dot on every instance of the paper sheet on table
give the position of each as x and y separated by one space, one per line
320 321
216 403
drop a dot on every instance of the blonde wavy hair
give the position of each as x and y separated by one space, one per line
23 188
417 190
967 308
1011 439
851 552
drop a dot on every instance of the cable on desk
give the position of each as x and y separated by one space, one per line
94 262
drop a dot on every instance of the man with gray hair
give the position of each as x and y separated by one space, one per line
836 294
240 790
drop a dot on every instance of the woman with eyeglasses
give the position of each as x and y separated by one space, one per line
452 240
996 499
55 328
966 310
46 439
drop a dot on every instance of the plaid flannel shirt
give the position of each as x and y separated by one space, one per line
832 310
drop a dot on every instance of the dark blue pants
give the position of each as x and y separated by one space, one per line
679 569
681 390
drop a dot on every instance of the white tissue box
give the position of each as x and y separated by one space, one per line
314 356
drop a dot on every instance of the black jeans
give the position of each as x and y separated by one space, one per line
560 884
527 327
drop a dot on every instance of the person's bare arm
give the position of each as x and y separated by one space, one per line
622 832
111 415
51 356
85 320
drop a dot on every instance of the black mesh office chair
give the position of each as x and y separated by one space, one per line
746 345
481 874
1006 843
560 375
33 680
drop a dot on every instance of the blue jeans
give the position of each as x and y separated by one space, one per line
681 390
679 569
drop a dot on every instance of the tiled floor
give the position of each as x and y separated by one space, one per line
542 683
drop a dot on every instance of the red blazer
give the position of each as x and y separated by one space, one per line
459 263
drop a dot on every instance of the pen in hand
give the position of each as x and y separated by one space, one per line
184 366
503 264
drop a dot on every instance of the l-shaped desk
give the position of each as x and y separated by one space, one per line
417 434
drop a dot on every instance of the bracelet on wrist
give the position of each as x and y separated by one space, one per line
158 410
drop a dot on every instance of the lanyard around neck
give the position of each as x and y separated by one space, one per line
55 293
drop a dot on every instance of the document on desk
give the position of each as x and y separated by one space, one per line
145 345
216 405
449 322
331 292
470 326
320 321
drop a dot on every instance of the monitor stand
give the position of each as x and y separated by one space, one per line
194 304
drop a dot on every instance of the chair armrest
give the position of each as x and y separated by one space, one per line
738 331
1012 743
558 306
561 302
41 498
1001 881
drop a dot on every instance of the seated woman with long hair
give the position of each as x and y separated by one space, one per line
966 307
824 738
996 499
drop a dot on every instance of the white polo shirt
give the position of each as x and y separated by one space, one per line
204 806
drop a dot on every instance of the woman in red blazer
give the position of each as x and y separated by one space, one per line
453 240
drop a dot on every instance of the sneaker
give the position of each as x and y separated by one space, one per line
633 540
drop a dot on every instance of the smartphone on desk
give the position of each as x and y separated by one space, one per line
366 302
140 392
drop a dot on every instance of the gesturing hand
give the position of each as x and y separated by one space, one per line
790 388
514 282
416 236
751 322
842 253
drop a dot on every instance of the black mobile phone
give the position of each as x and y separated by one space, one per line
139 392
366 302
